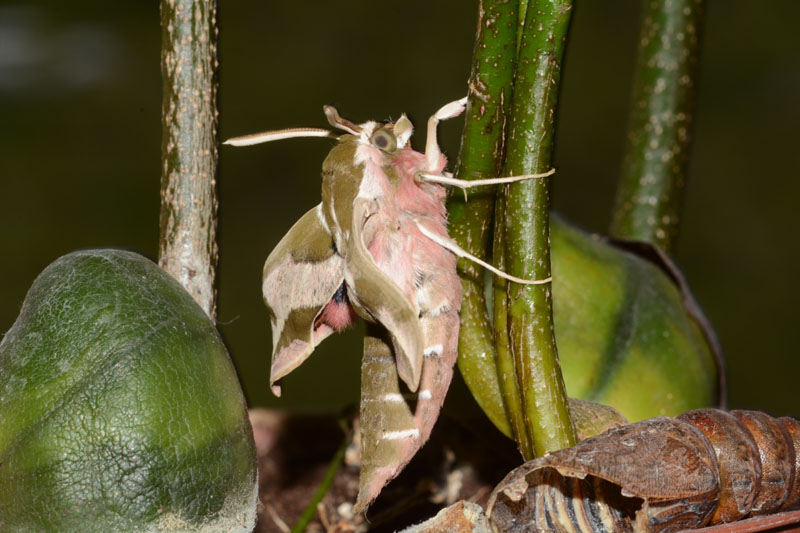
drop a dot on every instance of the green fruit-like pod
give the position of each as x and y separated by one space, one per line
625 336
120 409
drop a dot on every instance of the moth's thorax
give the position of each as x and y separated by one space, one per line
413 195
395 176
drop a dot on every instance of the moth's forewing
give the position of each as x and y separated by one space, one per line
349 203
376 293
301 275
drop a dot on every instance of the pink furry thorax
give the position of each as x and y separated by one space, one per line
424 198
411 198
398 247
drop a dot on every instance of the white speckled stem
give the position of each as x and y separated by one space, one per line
188 221
649 198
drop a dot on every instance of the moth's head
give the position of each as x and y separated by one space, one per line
385 136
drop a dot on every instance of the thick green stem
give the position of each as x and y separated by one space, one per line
484 357
188 247
649 198
490 87
522 13
527 225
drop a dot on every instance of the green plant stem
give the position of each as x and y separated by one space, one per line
504 359
323 488
490 89
649 198
527 226
522 13
188 220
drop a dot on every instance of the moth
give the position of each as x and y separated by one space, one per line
376 247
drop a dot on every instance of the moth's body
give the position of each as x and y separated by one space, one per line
361 253
397 203
376 247
381 189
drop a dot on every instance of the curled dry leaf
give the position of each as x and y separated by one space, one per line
661 474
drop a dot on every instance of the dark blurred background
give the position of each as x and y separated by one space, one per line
80 147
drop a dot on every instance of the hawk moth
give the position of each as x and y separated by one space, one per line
377 248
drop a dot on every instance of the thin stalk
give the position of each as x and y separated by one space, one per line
527 225
188 220
504 359
490 88
649 200
330 474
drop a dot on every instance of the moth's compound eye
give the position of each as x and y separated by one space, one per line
384 140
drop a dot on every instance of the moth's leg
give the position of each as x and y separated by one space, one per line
446 178
432 150
460 252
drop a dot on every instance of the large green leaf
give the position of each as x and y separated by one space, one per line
119 406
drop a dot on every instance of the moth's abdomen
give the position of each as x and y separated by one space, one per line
397 423
441 335
438 293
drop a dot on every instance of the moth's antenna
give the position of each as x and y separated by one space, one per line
338 122
277 135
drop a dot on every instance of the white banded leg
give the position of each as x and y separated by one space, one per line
447 178
460 252
451 110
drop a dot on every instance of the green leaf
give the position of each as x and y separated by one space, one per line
119 406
